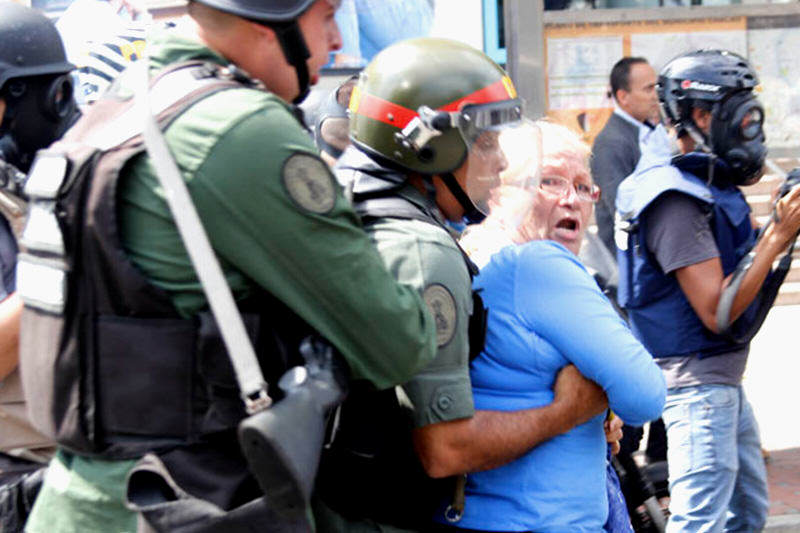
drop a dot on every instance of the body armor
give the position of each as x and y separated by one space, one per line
653 299
112 370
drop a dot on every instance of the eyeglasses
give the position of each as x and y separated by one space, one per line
560 186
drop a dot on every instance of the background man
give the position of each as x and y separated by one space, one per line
415 162
688 228
289 244
616 148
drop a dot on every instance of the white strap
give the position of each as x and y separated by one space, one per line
240 350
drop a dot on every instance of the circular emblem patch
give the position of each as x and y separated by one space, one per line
443 308
309 183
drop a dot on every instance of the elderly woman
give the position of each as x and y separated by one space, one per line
546 312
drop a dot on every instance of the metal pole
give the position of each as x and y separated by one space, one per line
524 37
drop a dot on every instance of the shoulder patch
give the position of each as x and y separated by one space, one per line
309 183
442 306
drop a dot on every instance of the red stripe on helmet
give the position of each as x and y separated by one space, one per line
385 111
398 116
492 93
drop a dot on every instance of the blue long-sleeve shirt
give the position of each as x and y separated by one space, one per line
546 311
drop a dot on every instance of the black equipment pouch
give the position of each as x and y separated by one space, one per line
370 470
164 506
281 446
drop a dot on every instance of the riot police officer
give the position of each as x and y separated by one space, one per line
36 91
36 107
672 286
120 356
426 118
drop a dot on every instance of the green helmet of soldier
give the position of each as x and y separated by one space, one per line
423 105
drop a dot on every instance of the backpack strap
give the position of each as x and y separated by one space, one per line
172 91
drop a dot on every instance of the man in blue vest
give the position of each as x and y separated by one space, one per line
686 226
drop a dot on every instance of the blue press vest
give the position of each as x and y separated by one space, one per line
659 313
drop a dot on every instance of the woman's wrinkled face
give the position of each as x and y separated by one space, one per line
563 203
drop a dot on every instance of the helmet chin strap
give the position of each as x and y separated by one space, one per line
700 141
471 212
295 50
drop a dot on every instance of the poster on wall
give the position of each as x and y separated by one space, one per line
577 71
369 26
580 58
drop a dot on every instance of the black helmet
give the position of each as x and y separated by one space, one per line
34 83
704 75
29 44
281 16
721 82
263 11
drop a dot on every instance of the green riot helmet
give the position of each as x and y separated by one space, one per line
435 107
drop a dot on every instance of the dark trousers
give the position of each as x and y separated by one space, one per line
20 481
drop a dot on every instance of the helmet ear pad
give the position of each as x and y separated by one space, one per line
57 98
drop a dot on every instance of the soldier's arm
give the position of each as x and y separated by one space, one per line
283 221
10 313
704 281
493 438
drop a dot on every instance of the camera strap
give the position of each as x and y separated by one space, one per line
767 294
252 385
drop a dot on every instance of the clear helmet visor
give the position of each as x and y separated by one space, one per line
510 199
504 152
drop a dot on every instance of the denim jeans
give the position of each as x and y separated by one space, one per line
717 478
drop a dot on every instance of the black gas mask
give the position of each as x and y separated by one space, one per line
39 110
737 137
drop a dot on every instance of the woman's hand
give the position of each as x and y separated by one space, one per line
613 429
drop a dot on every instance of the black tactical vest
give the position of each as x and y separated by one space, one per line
109 368
370 470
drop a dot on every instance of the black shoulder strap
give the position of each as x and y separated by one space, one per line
373 207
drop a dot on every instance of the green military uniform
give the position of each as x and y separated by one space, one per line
278 220
422 253
425 256
425 119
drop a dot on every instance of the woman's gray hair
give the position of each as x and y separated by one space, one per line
526 150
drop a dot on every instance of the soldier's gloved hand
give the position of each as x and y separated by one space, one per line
580 399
